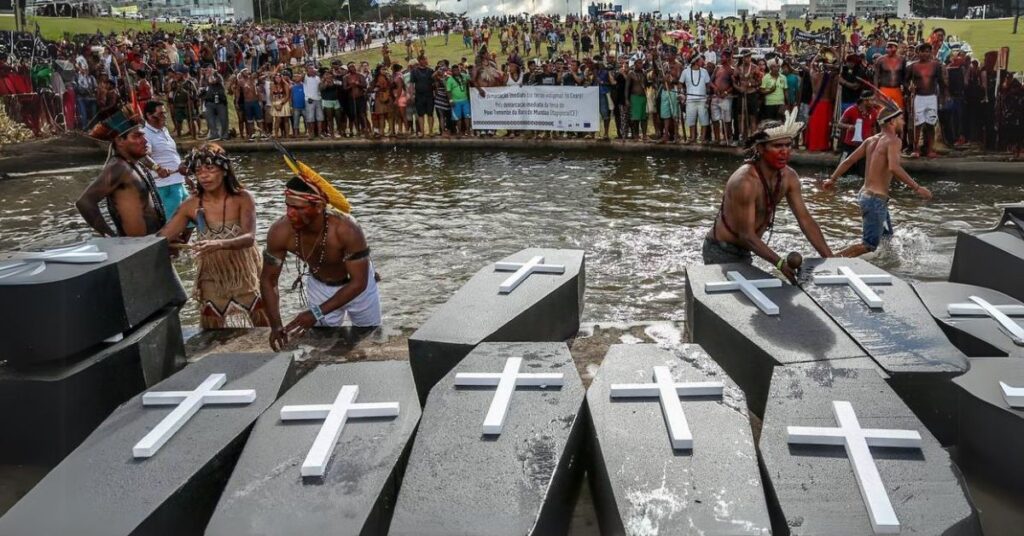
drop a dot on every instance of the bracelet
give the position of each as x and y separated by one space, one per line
317 313
778 265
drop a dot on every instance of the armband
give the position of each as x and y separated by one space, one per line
357 255
271 260
778 265
317 313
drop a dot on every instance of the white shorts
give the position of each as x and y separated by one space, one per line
697 109
926 109
363 310
721 109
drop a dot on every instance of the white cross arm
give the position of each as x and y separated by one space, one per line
86 253
170 398
635 390
1015 331
488 379
537 268
809 435
18 268
187 406
1014 395
751 288
859 283
334 416
973 309
523 270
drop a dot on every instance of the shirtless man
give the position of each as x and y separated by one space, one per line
128 187
748 84
929 86
751 197
338 278
721 101
882 154
636 93
354 87
891 73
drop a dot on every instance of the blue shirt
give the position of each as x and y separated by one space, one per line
298 97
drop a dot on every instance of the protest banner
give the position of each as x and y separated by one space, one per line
560 108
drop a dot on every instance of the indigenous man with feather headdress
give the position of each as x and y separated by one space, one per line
125 181
333 259
752 195
882 155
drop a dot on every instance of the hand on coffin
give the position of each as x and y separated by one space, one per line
278 338
301 324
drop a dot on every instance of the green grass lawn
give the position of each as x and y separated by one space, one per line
983 35
54 27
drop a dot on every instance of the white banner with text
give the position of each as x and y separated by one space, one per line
564 108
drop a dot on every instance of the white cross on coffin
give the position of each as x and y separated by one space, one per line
668 393
1014 396
81 254
30 264
19 268
858 282
334 416
751 288
506 382
999 313
857 442
188 404
523 270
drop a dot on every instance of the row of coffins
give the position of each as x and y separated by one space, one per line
949 349
84 328
233 445
507 428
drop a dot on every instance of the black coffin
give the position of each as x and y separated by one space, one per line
82 305
357 493
49 408
976 336
991 438
813 489
640 484
993 258
901 337
545 307
101 489
459 481
749 344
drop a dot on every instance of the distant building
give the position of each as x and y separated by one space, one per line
830 8
240 9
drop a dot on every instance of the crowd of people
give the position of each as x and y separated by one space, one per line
692 79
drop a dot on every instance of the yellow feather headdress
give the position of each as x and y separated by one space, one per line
324 189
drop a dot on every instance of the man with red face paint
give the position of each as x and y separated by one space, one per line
751 197
882 155
335 271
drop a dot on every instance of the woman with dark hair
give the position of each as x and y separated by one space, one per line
227 262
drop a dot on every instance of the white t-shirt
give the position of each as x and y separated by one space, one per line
696 83
311 85
164 152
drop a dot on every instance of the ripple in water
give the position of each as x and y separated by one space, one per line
434 218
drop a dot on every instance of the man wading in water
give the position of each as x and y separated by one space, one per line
882 154
751 197
128 187
336 272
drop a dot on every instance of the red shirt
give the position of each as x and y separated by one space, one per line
851 115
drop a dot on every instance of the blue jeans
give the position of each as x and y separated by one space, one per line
86 110
217 120
877 224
